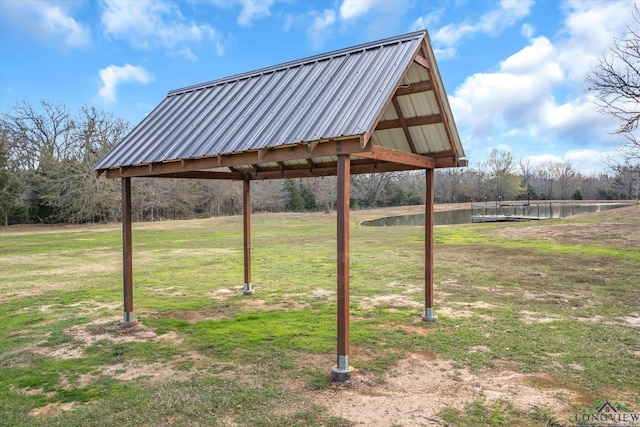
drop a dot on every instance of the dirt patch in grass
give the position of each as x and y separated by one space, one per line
632 320
420 387
530 317
617 227
417 328
195 316
51 408
129 371
113 330
386 301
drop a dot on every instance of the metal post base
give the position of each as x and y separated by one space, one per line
248 289
428 316
128 318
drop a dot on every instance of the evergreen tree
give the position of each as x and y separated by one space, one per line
294 200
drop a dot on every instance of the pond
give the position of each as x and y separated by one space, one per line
540 210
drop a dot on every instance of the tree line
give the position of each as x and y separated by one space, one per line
47 154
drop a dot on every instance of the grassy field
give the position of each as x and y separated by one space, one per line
537 322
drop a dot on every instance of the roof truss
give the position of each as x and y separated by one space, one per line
370 151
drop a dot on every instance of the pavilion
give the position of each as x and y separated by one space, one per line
372 108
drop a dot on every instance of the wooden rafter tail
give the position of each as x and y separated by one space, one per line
365 139
262 152
297 152
312 146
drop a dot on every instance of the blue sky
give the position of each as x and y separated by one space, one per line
513 70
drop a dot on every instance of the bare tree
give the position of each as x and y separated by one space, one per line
449 184
38 134
566 176
615 82
368 189
501 167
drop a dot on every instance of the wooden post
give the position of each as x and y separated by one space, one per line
127 252
246 217
342 371
428 248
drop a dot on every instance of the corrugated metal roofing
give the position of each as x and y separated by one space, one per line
333 95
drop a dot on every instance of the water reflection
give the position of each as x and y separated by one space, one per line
463 216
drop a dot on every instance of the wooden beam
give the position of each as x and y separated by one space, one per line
127 252
203 175
372 167
428 247
342 369
414 88
403 124
396 156
410 121
422 61
246 217
360 166
281 154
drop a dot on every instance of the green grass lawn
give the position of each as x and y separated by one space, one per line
555 303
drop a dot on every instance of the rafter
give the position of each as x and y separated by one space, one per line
422 61
414 88
410 121
404 126
396 156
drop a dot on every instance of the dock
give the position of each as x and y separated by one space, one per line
504 212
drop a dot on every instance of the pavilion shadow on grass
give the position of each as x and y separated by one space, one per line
376 107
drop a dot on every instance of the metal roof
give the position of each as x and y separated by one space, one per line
328 97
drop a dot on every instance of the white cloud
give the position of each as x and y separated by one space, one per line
186 53
537 94
426 21
527 30
382 16
252 10
541 160
492 22
585 161
150 24
588 32
317 31
513 97
47 22
113 75
351 9
442 54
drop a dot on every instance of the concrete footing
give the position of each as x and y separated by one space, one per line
248 289
429 316
341 375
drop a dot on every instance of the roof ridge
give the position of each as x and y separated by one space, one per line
298 62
